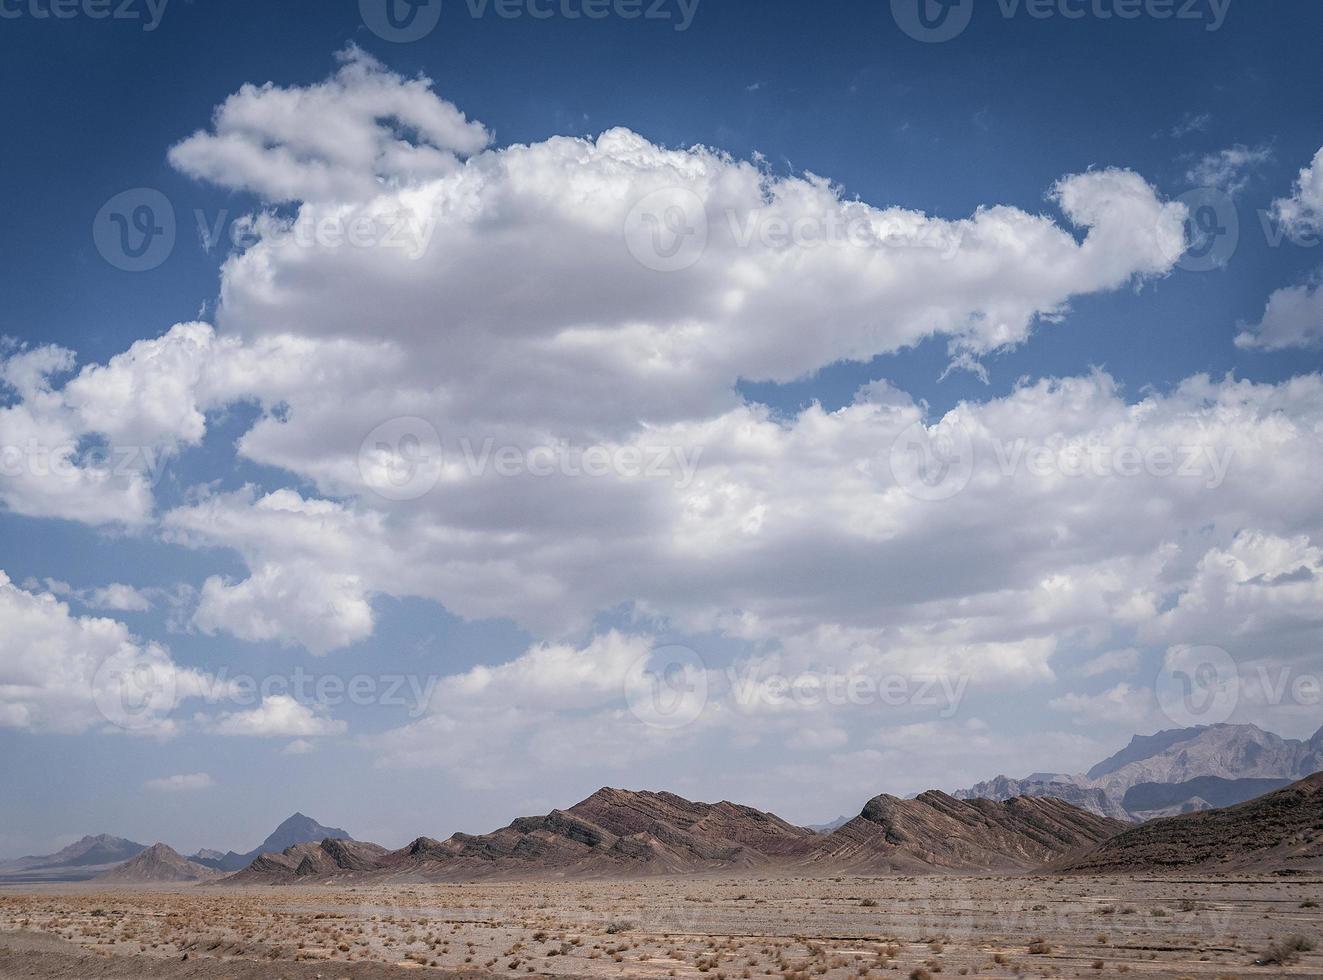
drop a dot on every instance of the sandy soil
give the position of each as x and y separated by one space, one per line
675 927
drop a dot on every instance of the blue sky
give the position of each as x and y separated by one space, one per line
994 117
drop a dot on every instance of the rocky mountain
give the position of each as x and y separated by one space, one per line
612 832
1058 787
1244 759
80 861
158 863
1281 832
334 858
1226 751
298 829
936 832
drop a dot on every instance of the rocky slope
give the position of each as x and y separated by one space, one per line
1280 832
936 832
298 829
158 863
79 861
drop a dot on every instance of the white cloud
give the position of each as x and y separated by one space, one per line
278 716
1123 706
184 783
68 674
300 746
340 140
1293 318
119 597
1303 210
1230 170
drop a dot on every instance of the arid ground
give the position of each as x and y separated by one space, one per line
676 927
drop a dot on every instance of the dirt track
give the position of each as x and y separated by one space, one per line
674 927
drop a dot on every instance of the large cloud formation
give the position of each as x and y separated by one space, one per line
531 306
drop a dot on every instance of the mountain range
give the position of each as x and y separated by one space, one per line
618 832
1171 772
92 856
298 829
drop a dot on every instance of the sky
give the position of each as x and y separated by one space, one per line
420 415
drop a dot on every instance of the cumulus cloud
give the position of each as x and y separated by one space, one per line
278 716
184 783
1303 210
339 140
1293 318
68 674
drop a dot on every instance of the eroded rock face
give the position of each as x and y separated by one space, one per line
937 832
1277 832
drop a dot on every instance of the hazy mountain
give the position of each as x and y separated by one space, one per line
158 863
1225 751
79 861
298 829
1243 760
1059 787
829 826
1278 832
1152 799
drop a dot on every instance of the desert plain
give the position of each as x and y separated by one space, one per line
676 926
